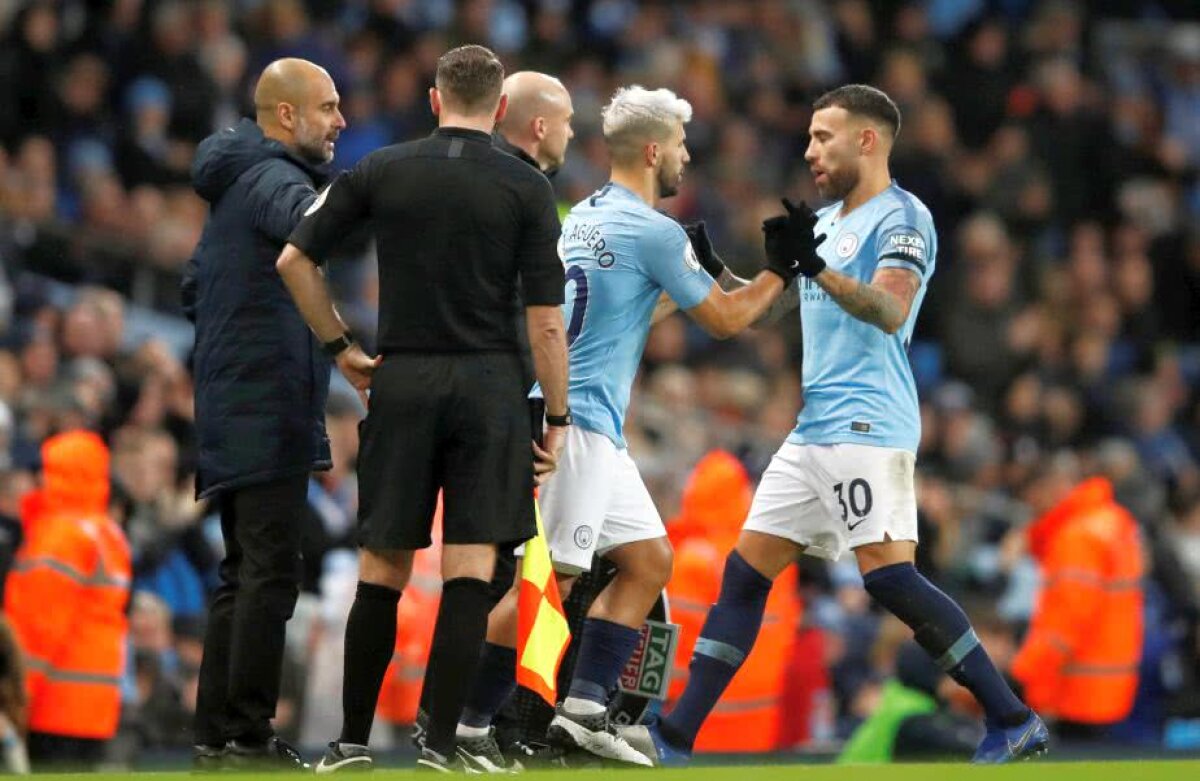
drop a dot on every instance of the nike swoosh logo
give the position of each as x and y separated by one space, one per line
853 526
1021 741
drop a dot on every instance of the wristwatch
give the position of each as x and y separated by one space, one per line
334 348
558 421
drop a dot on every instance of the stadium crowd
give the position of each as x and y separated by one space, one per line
1056 143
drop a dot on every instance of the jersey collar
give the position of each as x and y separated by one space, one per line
464 133
837 210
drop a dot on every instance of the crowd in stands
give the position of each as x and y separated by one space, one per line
1056 142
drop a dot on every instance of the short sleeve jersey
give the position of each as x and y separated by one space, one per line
857 383
458 224
620 255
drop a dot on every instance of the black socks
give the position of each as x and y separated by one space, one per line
370 641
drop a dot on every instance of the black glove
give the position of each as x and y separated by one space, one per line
790 244
698 236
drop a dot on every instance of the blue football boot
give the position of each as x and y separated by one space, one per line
1008 744
647 738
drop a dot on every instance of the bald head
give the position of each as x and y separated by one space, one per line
539 117
530 95
296 103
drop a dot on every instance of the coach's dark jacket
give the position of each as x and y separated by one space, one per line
261 379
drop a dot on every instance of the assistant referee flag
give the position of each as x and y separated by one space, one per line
542 630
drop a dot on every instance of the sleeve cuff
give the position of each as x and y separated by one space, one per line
898 260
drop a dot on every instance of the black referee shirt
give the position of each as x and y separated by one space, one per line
457 223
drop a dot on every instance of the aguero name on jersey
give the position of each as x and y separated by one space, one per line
620 255
857 383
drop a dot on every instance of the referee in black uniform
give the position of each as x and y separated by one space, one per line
458 225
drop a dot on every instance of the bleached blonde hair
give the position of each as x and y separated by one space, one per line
637 116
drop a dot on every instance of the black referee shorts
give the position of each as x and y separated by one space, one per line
455 422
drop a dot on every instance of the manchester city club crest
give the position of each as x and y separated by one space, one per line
846 245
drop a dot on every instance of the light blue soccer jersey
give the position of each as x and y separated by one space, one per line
857 383
620 255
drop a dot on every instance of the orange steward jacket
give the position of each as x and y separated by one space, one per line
715 502
1080 659
67 593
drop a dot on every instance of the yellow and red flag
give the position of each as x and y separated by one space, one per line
542 630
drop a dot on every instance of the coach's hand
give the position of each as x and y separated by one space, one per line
790 244
698 237
358 367
545 457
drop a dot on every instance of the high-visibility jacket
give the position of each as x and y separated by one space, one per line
714 505
67 593
1080 659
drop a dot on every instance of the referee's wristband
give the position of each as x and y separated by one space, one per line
559 421
337 346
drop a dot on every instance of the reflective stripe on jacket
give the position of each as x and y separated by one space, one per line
715 502
1080 659
67 593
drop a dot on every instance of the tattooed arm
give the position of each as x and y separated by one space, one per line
788 301
884 303
728 282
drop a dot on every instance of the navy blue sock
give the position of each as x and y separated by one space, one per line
495 683
603 652
941 627
725 640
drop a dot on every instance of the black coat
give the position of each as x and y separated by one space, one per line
261 379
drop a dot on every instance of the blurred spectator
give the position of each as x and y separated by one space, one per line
750 714
333 494
76 559
911 722
1079 662
169 54
162 718
14 484
145 153
987 333
171 557
978 81
13 704
27 58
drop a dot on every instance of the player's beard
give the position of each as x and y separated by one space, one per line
668 182
839 185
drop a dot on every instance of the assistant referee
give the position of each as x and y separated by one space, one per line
458 225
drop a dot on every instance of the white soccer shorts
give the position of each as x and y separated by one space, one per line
834 498
595 501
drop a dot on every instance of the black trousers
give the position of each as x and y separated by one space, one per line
244 641
62 752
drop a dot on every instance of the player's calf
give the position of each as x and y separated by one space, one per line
943 630
725 640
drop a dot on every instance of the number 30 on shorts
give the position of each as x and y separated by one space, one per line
855 498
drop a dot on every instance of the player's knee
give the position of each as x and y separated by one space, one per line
654 567
385 568
768 554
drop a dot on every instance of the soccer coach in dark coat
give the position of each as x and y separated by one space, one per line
261 385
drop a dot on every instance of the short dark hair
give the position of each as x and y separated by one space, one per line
470 78
864 100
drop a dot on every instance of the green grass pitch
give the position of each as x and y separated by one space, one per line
1038 771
